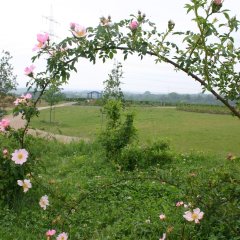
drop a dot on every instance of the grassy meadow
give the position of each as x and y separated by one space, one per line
96 197
186 131
91 199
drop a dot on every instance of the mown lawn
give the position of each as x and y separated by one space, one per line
186 131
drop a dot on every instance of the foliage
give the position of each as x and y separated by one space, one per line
118 133
209 55
212 64
112 88
203 108
52 96
11 194
91 200
7 77
141 157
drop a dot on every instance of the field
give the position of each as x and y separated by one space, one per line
186 131
90 198
134 194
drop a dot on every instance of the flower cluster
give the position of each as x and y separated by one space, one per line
61 236
23 99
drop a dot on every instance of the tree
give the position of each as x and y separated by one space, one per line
112 88
53 96
7 78
119 131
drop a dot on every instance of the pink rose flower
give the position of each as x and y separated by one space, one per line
50 233
42 41
195 216
178 204
4 123
62 236
27 96
218 2
162 216
133 25
20 156
78 30
5 151
29 70
26 184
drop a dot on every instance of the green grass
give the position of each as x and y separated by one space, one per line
210 133
91 199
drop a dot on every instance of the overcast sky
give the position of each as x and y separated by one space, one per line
20 21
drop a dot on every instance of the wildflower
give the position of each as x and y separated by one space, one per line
216 6
26 184
162 216
5 152
163 237
19 101
178 204
78 30
29 70
44 202
105 22
133 25
50 233
42 41
20 156
62 236
148 221
196 215
218 2
4 123
27 96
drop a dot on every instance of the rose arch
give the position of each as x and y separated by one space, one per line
209 56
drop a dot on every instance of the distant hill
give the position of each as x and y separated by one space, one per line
173 98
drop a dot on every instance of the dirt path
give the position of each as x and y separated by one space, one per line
17 122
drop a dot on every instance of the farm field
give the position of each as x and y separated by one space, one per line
186 131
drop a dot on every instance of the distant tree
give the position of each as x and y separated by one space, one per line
119 131
53 96
112 88
7 78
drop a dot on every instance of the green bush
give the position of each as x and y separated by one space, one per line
10 193
134 156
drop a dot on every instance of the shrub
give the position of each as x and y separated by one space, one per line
134 156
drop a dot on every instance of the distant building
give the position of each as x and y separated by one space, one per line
94 95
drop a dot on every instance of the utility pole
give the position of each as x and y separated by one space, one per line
52 23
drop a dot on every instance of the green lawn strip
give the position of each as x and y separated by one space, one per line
209 133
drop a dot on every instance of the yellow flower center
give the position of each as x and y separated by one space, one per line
20 156
25 186
194 216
